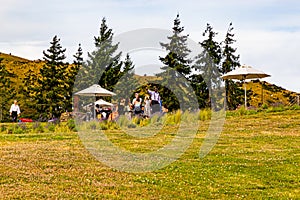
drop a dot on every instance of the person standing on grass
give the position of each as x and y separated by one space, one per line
155 100
147 107
14 111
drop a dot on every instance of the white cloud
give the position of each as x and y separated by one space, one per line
266 30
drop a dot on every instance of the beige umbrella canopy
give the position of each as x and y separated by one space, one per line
101 102
95 90
243 73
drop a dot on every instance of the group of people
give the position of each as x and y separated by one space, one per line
139 107
102 113
150 105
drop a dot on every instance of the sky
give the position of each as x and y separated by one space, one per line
267 32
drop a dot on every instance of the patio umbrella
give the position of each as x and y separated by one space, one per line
245 72
95 90
101 102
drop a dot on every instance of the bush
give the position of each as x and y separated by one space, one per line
204 114
18 130
3 128
37 127
123 121
51 127
109 125
131 125
71 125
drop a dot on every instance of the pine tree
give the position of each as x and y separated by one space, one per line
103 65
177 57
229 63
127 84
52 92
176 66
76 67
207 64
31 91
201 90
7 92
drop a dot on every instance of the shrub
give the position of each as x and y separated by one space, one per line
71 125
51 127
3 128
204 114
18 130
144 122
123 121
37 127
109 125
131 125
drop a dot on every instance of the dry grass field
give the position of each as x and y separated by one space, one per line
256 157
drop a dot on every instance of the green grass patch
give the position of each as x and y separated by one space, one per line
256 157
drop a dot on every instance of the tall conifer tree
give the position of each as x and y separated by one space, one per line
208 63
7 92
229 63
128 83
52 89
176 65
103 65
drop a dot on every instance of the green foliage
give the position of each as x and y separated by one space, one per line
3 127
127 81
207 63
38 127
176 68
109 125
103 66
229 63
205 114
123 121
256 157
7 91
71 125
131 125
51 127
51 91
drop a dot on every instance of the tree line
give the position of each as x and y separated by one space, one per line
48 93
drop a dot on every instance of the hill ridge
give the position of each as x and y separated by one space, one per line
261 92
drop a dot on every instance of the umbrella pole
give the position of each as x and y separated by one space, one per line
94 111
245 95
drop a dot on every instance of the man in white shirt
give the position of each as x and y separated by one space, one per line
14 111
155 100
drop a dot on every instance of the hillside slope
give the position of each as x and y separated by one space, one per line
261 92
258 92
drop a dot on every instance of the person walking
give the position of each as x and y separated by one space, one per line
147 108
155 100
137 104
14 111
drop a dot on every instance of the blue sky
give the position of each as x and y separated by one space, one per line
267 31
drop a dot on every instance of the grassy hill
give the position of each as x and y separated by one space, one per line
19 67
264 93
258 93
255 157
